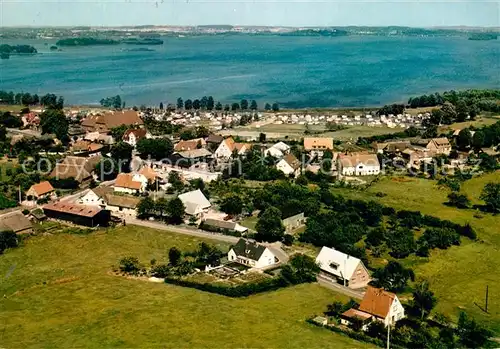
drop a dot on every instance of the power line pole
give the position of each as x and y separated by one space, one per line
486 303
388 334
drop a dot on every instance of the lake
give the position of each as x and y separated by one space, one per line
297 72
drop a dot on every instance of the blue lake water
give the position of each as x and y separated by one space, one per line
294 71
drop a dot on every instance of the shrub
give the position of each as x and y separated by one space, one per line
8 239
130 265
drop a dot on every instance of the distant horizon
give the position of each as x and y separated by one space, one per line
275 13
253 26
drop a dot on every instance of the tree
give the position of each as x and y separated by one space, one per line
175 180
121 153
227 107
201 132
262 137
487 162
449 113
232 204
204 102
470 333
176 210
130 265
464 140
276 107
253 105
156 148
491 196
161 105
462 111
180 103
300 269
244 104
210 103
188 104
269 226
235 106
218 106
393 277
478 140
267 107
54 121
423 299
401 241
8 239
174 256
458 200
106 169
9 120
196 104
118 131
145 207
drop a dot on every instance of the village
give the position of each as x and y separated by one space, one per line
177 182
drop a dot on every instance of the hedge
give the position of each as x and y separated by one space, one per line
233 291
360 336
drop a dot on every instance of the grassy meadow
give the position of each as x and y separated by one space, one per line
58 293
458 275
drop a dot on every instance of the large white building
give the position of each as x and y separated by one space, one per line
359 165
289 165
342 268
251 254
195 202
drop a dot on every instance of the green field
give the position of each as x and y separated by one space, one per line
458 275
59 294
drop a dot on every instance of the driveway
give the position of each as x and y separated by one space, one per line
340 289
274 247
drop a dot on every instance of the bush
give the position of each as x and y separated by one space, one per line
161 271
26 212
288 239
130 265
8 239
243 290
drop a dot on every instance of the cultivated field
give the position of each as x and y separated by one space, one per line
59 294
458 275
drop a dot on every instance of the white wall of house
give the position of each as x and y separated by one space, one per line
125 190
361 170
284 167
132 140
396 313
223 151
122 211
266 259
91 199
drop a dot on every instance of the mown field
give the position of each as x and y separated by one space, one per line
460 274
58 293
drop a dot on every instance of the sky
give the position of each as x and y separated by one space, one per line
250 12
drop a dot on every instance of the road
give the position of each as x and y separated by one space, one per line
274 247
339 288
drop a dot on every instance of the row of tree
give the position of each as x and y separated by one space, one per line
28 99
208 103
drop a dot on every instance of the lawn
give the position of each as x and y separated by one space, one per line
458 275
249 222
59 294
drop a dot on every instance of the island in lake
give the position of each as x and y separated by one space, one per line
7 50
90 41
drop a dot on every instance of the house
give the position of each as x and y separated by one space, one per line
94 197
289 165
342 268
391 147
380 305
76 167
274 152
251 254
439 146
213 141
283 147
132 136
122 205
228 146
190 144
78 214
37 215
42 190
130 183
195 154
195 202
105 122
83 146
359 164
316 146
16 222
218 225
294 222
148 173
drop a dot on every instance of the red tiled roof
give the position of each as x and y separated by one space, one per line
377 302
78 210
42 188
125 180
